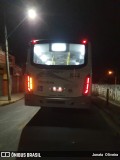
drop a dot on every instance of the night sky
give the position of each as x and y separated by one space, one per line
97 20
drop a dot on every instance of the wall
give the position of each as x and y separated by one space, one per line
17 83
114 91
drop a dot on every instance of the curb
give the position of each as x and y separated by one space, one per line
7 103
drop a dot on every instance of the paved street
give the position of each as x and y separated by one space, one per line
68 129
26 128
13 119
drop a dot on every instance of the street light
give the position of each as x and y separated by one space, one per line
32 15
110 73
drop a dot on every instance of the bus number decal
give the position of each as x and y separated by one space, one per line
76 75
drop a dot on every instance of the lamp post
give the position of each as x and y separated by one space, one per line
115 80
7 65
32 15
109 73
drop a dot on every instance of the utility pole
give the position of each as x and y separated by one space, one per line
32 15
7 65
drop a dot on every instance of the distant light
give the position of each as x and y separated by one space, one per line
32 14
110 72
57 47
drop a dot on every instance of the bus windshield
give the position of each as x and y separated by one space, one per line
59 54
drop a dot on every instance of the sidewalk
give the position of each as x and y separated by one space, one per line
111 109
110 101
14 98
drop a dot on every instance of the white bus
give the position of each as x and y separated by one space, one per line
58 74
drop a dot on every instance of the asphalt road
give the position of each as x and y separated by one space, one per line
13 119
26 128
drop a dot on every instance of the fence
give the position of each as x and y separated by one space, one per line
101 90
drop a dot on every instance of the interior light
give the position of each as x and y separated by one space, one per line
44 58
37 50
77 63
82 50
48 62
57 47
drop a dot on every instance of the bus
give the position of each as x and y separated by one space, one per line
58 74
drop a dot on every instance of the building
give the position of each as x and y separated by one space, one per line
16 75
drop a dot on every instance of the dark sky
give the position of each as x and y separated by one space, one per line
97 20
